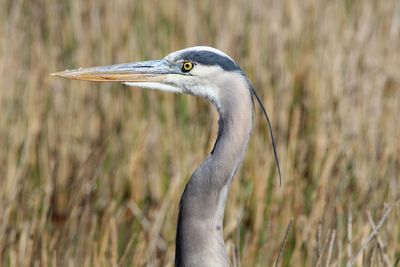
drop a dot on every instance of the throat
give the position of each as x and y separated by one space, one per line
201 213
233 136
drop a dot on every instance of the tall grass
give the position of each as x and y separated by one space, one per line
91 174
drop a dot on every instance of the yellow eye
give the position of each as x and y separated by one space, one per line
187 66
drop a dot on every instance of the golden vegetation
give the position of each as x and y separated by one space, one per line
91 174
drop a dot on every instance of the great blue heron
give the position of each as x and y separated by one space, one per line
209 73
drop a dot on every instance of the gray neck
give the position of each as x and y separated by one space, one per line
199 240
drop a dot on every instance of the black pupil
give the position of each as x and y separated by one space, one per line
187 66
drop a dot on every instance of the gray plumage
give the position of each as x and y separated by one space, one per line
209 73
200 224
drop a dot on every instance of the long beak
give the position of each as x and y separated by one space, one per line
145 71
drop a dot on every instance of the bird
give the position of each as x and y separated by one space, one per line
209 73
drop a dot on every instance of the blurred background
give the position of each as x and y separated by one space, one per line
91 174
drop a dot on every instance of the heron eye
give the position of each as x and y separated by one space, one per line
187 66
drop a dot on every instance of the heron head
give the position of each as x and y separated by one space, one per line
201 71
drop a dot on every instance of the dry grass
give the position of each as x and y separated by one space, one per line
91 174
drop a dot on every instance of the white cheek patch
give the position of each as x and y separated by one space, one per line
206 91
196 86
206 77
206 71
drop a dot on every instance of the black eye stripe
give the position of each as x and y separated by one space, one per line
209 58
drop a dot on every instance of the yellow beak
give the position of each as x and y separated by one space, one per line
145 71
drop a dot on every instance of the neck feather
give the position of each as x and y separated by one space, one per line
200 224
